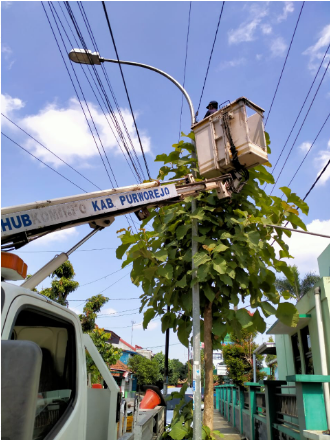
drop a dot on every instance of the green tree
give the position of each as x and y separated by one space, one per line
239 358
297 287
235 260
109 353
62 284
146 370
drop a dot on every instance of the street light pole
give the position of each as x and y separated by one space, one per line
83 56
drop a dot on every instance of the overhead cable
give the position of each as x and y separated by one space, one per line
184 69
111 299
43 162
294 32
208 66
318 178
309 149
301 109
58 45
50 151
302 124
105 99
129 101
53 252
91 34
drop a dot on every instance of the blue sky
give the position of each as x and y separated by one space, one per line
249 53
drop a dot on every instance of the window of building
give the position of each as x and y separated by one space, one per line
307 350
296 353
56 338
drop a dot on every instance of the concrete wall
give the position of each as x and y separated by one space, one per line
306 305
324 262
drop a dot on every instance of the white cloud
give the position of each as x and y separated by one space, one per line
9 105
266 29
61 236
316 52
246 31
259 56
306 248
7 55
305 146
232 63
6 5
108 311
151 326
287 9
278 47
6 50
63 129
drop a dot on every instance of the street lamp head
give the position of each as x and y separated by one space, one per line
82 56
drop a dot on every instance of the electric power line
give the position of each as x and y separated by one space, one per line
294 32
53 252
208 66
301 109
318 178
309 149
128 98
112 299
185 65
302 124
135 325
58 45
42 162
50 151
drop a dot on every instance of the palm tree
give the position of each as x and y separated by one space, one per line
300 286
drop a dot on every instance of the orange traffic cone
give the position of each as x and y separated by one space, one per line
150 400
97 385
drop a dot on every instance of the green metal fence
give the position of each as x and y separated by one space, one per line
275 409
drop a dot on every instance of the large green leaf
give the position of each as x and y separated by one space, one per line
182 231
219 264
220 248
267 309
244 318
219 328
288 314
201 258
147 317
121 250
166 271
208 292
258 322
161 255
182 283
178 431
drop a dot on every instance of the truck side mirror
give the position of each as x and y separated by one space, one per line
20 373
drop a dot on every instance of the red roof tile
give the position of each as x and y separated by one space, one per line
120 366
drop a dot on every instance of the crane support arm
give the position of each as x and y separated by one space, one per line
23 223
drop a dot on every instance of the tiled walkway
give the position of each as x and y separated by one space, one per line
225 428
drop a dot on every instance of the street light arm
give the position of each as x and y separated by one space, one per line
174 81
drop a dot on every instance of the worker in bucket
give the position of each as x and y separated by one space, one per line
211 108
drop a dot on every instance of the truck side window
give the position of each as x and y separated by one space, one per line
56 338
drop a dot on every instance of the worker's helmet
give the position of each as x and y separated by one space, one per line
213 103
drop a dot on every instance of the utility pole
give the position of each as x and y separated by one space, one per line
132 322
83 56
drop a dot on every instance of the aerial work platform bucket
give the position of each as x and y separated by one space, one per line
230 126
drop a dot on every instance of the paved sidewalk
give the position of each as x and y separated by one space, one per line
225 428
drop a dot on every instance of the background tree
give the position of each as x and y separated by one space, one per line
239 358
62 284
299 286
235 260
146 370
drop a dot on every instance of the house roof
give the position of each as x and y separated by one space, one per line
120 366
128 345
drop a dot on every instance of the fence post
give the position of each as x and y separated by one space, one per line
310 401
234 405
270 398
241 406
253 387
217 397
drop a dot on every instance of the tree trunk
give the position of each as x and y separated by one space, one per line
208 358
